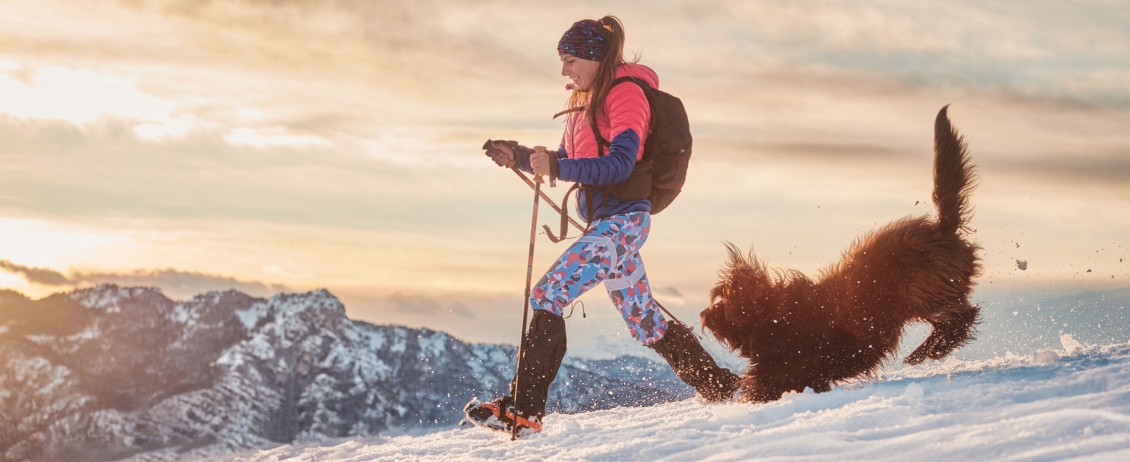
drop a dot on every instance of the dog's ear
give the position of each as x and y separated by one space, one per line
744 290
747 300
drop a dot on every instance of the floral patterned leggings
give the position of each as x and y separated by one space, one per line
608 253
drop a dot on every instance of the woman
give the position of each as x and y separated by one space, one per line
592 56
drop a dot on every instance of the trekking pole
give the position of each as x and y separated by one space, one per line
526 300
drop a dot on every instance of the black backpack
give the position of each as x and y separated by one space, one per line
660 174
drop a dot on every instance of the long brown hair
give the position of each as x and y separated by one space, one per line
592 101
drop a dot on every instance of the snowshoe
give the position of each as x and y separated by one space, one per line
500 415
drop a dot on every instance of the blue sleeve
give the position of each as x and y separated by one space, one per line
523 155
603 171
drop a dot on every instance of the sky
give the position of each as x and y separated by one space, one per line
291 145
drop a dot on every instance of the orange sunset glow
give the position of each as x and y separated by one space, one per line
291 146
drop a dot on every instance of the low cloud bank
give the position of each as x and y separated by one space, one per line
175 283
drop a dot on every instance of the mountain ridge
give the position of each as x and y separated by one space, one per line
112 372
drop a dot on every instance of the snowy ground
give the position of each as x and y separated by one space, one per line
1047 406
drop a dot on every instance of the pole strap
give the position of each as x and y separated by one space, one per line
546 198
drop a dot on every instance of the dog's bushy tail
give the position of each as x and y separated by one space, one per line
953 176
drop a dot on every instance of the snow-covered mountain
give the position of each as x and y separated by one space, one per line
110 372
1041 407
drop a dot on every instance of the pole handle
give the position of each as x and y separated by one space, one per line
540 178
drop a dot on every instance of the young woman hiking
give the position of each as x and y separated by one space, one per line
592 56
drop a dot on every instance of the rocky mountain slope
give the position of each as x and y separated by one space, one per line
111 372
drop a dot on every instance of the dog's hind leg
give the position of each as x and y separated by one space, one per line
950 332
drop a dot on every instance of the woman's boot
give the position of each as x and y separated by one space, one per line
694 365
542 355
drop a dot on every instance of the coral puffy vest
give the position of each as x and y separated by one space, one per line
626 108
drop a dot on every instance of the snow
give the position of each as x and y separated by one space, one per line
184 314
40 339
1071 404
106 297
1070 344
486 358
91 332
251 316
432 346
603 349
376 339
1045 355
288 306
400 343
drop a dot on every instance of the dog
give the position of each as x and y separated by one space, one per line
800 334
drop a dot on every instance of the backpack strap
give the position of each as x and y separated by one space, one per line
565 216
601 143
589 202
565 212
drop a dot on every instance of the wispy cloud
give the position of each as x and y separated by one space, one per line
36 275
1080 170
174 282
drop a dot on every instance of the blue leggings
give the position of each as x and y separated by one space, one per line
608 253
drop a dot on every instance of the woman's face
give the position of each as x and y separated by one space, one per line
581 71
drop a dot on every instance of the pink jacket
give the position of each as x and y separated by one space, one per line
626 107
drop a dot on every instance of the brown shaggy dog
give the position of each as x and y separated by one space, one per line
798 333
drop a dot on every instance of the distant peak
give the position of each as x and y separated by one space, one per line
107 296
314 308
289 304
7 295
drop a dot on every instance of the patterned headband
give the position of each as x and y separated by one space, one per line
585 40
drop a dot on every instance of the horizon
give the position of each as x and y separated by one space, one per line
271 147
602 336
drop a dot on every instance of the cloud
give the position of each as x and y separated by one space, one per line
417 48
823 152
36 275
173 282
53 168
82 97
273 136
452 51
1065 168
180 283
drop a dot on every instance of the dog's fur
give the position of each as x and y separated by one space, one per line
797 333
